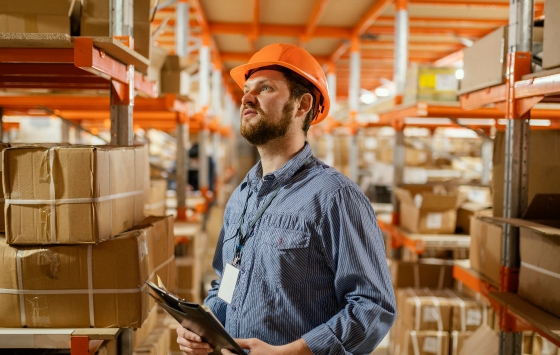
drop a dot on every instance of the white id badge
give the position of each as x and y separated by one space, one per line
229 280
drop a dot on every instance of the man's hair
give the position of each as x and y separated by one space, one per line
298 86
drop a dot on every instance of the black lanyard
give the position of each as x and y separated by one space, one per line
243 237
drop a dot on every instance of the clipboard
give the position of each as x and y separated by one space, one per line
196 318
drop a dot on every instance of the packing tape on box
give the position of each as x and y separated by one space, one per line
160 266
434 312
90 290
455 342
540 270
51 215
462 306
153 206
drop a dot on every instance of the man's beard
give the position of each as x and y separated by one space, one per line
266 129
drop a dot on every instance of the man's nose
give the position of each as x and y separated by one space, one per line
248 97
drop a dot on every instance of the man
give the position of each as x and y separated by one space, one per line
300 256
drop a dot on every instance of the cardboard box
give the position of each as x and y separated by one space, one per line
457 341
490 50
160 240
485 251
423 211
72 194
96 21
142 332
430 273
2 221
468 314
157 58
47 287
37 16
427 83
423 309
174 78
188 278
155 200
551 52
484 341
544 166
466 211
424 342
157 343
31 23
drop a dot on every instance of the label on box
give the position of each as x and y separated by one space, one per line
430 345
430 314
446 82
474 317
434 220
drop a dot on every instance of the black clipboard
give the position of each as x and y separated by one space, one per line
196 318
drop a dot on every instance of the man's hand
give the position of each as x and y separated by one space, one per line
259 347
191 343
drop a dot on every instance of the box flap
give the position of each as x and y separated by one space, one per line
544 207
403 195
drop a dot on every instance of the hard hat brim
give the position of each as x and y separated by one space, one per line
238 75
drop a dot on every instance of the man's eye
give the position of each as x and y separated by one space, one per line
265 87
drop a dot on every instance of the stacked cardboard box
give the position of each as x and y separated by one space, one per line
155 200
72 194
190 251
75 285
36 16
65 251
434 321
426 273
485 251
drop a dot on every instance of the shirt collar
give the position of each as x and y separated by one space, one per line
281 175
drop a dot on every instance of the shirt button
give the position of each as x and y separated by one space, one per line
243 270
233 308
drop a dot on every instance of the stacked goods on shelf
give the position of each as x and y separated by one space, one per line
157 342
160 241
469 210
155 199
544 166
2 222
434 321
189 251
67 260
541 346
72 194
37 16
96 20
428 83
425 210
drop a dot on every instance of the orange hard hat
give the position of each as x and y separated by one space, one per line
296 59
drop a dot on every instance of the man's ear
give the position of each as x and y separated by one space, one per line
305 104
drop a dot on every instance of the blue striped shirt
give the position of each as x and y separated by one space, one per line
314 265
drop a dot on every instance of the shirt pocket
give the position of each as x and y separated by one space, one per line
285 256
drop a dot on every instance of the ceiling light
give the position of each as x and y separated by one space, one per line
459 74
382 91
367 97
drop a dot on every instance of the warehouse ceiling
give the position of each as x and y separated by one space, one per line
439 29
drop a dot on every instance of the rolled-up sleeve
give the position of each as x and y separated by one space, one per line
355 251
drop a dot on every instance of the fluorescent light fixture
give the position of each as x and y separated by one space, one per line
382 91
367 97
459 74
539 123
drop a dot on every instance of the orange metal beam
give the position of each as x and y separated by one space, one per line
278 30
470 3
449 59
370 16
314 18
439 31
255 27
452 20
